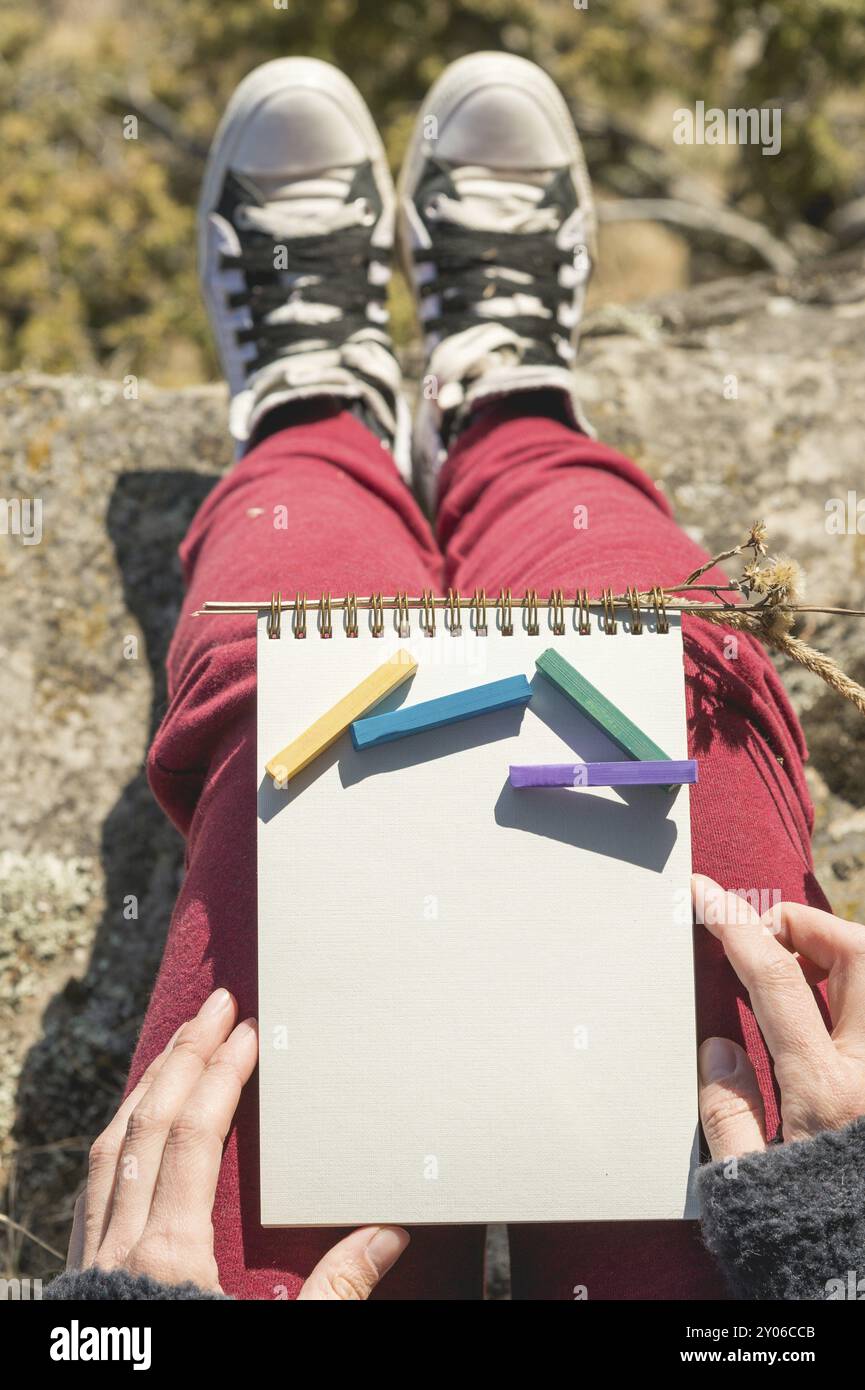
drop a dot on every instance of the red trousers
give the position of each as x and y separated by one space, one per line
345 522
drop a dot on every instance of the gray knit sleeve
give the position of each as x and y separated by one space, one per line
118 1285
789 1223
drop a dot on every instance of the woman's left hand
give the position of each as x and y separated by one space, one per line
148 1204
778 958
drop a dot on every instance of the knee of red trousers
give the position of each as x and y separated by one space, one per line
211 940
750 822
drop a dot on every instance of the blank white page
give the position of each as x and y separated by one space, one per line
476 1003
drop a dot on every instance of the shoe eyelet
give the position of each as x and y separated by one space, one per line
366 210
431 211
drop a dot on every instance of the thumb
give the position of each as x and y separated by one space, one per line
351 1270
731 1107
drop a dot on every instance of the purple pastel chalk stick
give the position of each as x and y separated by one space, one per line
655 773
543 775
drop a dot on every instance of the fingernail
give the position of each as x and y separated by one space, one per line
215 1003
716 1059
385 1248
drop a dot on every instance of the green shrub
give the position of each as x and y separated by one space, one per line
97 248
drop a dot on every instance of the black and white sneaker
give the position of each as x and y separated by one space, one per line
497 233
295 230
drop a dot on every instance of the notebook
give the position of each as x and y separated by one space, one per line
476 1003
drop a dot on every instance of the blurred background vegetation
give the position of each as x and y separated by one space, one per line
97 256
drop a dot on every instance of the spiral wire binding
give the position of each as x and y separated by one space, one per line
453 605
530 606
506 613
479 607
455 613
403 622
300 616
609 609
657 600
377 615
428 613
557 612
325 616
634 605
584 615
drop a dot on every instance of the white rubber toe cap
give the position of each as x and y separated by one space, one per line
502 125
294 132
499 110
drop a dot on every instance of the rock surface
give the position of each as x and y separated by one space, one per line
744 398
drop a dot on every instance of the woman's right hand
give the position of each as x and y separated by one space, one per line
148 1203
778 958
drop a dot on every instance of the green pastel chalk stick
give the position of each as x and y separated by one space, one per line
597 707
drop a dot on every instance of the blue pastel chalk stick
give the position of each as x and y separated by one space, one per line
646 773
435 714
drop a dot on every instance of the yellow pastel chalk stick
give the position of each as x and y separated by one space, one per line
326 730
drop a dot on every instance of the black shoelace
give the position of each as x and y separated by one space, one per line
339 262
466 263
